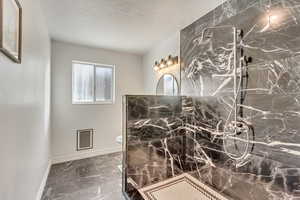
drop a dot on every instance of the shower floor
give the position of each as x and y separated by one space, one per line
181 187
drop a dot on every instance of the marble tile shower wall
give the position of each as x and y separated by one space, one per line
264 162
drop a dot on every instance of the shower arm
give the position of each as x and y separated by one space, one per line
215 27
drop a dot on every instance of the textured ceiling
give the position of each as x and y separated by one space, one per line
127 25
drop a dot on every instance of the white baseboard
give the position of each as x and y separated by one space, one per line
44 181
84 154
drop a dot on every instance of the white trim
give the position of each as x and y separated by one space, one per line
43 182
92 63
84 154
93 103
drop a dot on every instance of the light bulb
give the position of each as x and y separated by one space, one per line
156 66
170 60
162 63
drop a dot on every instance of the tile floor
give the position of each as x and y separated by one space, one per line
97 178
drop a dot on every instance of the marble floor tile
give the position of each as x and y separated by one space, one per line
97 178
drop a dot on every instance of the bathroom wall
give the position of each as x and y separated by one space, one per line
25 111
105 119
268 115
171 44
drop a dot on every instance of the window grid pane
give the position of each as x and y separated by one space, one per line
83 83
104 84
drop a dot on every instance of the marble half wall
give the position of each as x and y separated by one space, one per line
154 141
168 136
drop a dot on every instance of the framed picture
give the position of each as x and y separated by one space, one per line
11 29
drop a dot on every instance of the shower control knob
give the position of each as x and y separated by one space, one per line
247 59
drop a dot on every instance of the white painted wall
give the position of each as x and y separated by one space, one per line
105 119
170 46
25 111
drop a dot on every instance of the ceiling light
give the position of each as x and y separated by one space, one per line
272 18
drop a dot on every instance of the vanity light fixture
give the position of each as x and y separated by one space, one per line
164 63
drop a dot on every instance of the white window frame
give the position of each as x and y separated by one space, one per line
113 67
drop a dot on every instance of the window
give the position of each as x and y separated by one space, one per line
92 83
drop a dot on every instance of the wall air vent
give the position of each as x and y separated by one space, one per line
85 139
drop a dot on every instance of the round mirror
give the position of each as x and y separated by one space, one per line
167 85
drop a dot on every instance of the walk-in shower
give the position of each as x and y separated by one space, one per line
235 127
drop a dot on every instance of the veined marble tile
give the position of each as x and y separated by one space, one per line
167 136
